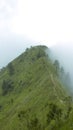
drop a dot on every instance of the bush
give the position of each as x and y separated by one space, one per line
57 67
7 86
1 107
54 113
35 124
10 69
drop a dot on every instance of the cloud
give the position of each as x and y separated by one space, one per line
46 21
6 10
64 53
43 21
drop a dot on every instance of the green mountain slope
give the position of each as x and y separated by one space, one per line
32 96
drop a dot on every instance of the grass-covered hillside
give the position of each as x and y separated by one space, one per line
32 94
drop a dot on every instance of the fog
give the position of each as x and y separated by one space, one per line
44 21
64 53
11 46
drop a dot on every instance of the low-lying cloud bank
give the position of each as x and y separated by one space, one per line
64 53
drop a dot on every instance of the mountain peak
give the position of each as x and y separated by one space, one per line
30 90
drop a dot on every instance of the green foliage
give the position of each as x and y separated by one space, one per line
35 124
21 114
10 69
35 98
32 124
62 75
55 113
57 67
1 107
7 86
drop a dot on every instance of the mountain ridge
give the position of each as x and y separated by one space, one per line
32 94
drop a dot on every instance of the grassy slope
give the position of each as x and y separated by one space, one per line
35 86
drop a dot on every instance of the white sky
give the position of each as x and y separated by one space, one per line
47 22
